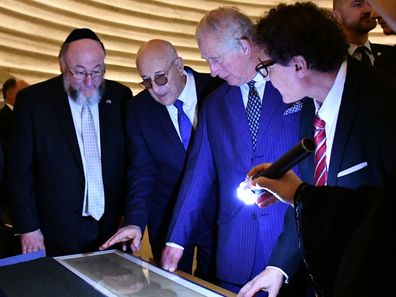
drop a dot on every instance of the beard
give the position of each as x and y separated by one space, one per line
80 98
364 25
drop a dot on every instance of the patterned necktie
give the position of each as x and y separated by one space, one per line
253 111
95 193
185 126
364 57
320 173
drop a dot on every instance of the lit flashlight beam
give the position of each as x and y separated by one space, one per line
249 194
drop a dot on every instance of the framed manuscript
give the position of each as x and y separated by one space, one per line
114 273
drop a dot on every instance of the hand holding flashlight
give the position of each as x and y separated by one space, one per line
296 154
270 190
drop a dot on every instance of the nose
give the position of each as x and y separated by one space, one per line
214 69
88 80
367 7
154 87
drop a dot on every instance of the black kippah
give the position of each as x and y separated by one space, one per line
83 33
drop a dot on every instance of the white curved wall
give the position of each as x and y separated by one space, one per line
31 31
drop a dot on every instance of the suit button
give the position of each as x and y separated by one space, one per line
254 216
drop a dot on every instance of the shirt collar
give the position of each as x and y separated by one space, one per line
186 95
352 47
332 101
10 106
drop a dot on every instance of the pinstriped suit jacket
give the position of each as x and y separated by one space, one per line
222 152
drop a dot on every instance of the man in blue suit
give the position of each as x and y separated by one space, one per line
68 144
356 107
157 155
226 147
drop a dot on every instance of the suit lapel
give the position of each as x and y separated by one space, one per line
234 103
161 113
62 110
106 120
346 116
272 101
306 130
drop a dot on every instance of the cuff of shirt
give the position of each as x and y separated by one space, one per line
174 245
281 271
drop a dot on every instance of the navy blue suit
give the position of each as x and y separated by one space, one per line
157 161
46 171
223 153
364 134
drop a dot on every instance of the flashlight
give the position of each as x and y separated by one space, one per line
292 157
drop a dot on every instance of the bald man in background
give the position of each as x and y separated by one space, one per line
157 151
356 21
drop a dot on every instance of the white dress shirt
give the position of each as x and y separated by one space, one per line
189 98
330 108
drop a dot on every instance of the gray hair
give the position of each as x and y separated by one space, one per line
227 24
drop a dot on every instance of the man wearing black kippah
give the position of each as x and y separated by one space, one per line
67 153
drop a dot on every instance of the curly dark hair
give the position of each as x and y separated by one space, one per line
302 29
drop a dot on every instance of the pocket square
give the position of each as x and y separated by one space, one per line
295 107
352 169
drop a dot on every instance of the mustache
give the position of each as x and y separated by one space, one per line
80 98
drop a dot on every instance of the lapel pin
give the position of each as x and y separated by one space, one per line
108 101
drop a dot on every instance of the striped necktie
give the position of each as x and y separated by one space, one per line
320 172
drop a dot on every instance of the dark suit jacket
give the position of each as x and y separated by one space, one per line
157 161
370 246
1 175
46 172
379 49
6 125
364 139
223 151
362 218
386 63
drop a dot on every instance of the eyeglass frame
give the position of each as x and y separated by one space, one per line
262 67
149 81
93 73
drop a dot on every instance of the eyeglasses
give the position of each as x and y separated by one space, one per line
159 79
80 75
262 67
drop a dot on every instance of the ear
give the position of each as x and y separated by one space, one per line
180 64
337 16
61 65
301 66
8 94
246 45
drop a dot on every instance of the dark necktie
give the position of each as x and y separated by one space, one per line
185 126
253 111
320 171
365 59
95 193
